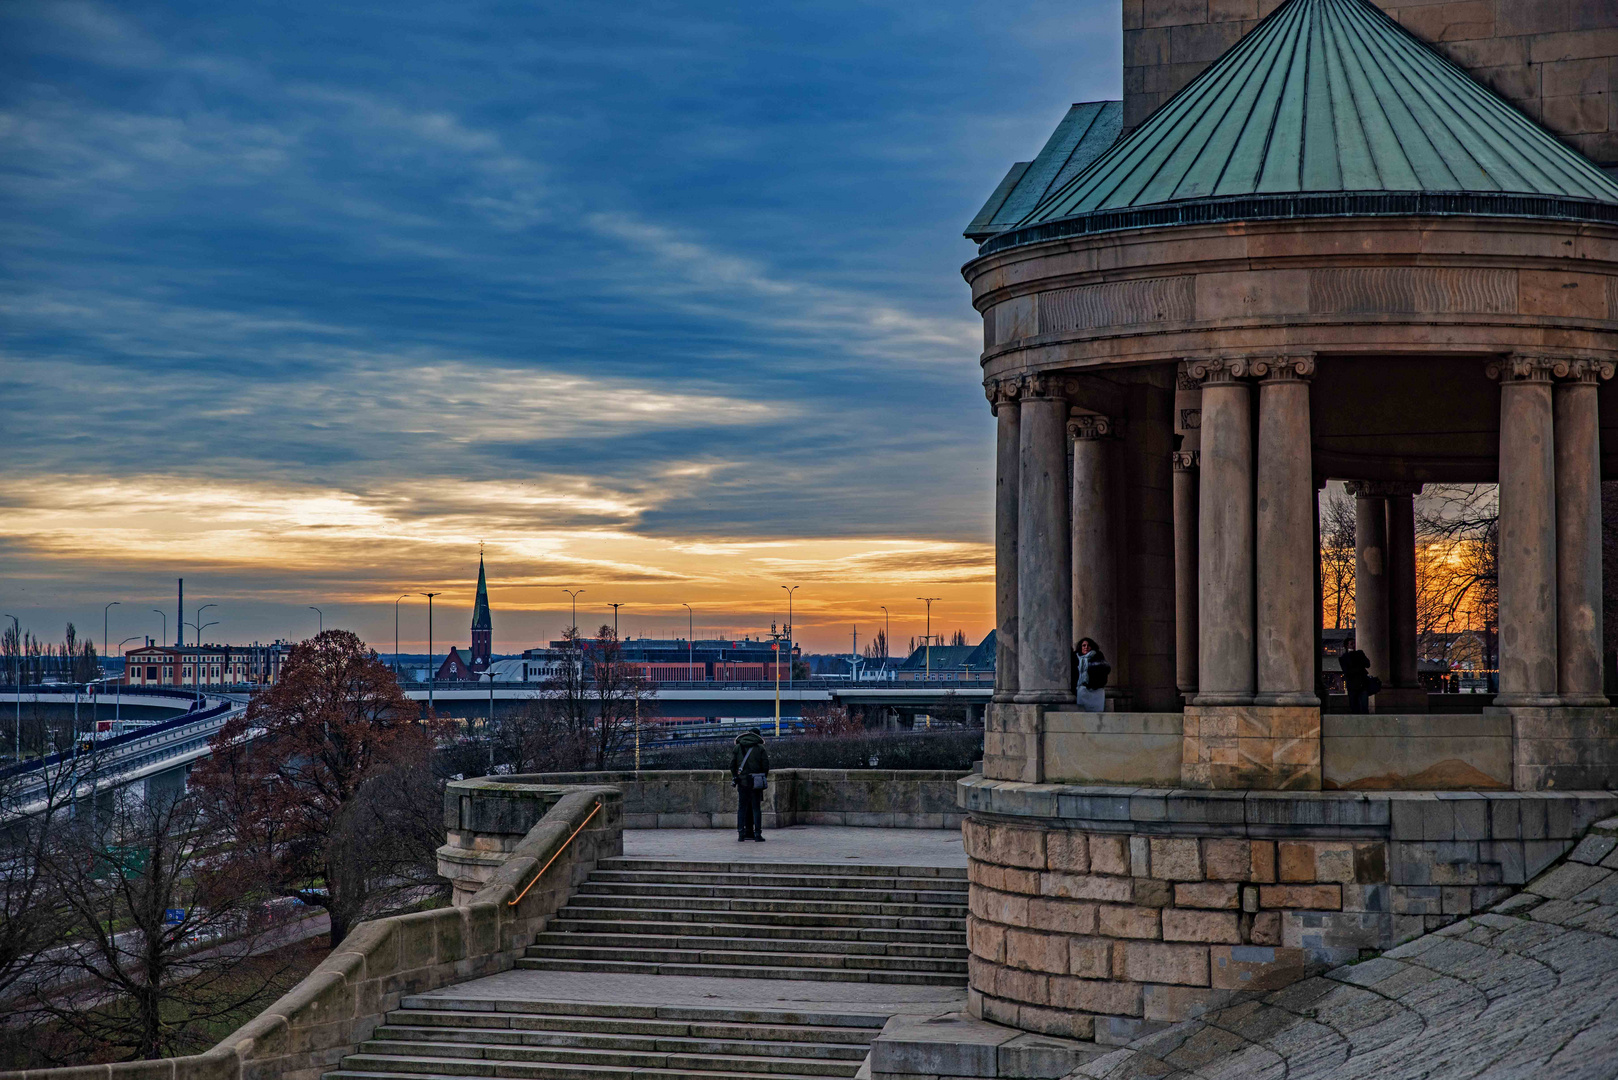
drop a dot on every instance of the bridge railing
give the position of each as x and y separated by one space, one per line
936 682
103 746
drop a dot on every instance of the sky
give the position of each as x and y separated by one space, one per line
304 302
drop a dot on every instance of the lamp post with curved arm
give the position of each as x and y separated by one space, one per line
788 630
165 617
396 636
118 706
16 738
574 595
690 639
104 612
322 623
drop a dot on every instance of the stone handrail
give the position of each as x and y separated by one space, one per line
337 1006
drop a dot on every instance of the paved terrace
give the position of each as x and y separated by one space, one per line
824 845
1527 990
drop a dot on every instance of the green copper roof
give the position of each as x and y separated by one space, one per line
1084 134
481 619
1328 98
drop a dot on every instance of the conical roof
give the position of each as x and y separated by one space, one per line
1331 97
481 619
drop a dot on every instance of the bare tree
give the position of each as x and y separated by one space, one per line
1337 557
159 932
830 721
536 737
34 808
282 777
877 647
620 697
1459 581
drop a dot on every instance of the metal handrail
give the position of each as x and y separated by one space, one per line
594 810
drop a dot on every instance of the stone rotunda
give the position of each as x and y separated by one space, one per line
1333 254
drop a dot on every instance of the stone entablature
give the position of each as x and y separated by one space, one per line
1105 912
1457 286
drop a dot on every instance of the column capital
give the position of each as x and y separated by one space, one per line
1184 380
1523 368
1092 426
1582 371
1002 391
1219 371
1048 385
1187 460
1383 489
1285 368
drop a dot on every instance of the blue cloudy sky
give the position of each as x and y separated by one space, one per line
303 301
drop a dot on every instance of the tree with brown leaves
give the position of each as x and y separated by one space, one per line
288 781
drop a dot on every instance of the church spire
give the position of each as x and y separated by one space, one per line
482 623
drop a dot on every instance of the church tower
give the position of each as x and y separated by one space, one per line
482 624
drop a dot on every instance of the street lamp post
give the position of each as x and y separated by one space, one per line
165 617
196 681
104 612
776 646
200 610
396 636
16 744
788 630
927 642
488 727
574 595
431 674
118 706
690 640
322 615
887 623
615 608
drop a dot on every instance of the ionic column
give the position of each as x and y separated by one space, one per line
1403 631
1007 450
1187 468
1528 623
1095 561
1371 575
1285 534
1578 531
1044 547
1225 536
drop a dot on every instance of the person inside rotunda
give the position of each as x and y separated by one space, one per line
1090 671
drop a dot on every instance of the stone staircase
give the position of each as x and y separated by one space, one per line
848 923
441 1037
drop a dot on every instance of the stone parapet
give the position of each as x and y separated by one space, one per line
706 799
1270 747
1103 912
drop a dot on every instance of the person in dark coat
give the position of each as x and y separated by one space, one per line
1356 677
749 771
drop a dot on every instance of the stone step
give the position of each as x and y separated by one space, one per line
485 1059
784 907
817 881
539 1071
733 957
743 971
488 1023
843 869
855 1023
595 912
741 942
779 1046
760 933
593 887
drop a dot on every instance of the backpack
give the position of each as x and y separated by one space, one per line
1097 675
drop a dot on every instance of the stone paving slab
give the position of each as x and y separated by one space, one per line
802 844
1528 991
587 986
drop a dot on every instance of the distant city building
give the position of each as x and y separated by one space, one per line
670 659
463 664
950 662
205 665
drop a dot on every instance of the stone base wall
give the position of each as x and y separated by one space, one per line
1271 747
1107 912
706 799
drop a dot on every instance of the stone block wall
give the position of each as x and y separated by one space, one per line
1107 912
1556 60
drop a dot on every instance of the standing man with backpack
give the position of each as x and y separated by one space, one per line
750 771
